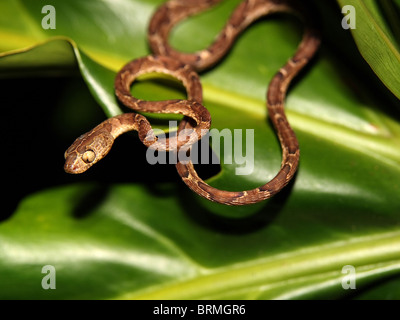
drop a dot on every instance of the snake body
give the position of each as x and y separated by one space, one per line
94 145
162 22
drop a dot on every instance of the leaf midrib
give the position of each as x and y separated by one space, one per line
282 268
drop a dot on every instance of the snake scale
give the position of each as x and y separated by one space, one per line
94 145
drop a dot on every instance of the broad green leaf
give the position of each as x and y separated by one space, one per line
134 245
376 41
137 242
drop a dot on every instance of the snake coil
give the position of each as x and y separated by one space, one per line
94 145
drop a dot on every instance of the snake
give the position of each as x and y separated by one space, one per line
94 145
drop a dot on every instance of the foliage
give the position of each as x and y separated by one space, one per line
150 237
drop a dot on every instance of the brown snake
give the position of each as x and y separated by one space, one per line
94 145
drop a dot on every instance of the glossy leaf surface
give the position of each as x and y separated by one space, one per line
157 240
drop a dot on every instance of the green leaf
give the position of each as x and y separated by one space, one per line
158 240
123 248
376 41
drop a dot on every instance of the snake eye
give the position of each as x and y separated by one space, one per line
89 156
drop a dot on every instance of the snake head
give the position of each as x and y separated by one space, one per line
87 150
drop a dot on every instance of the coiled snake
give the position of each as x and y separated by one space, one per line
94 145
